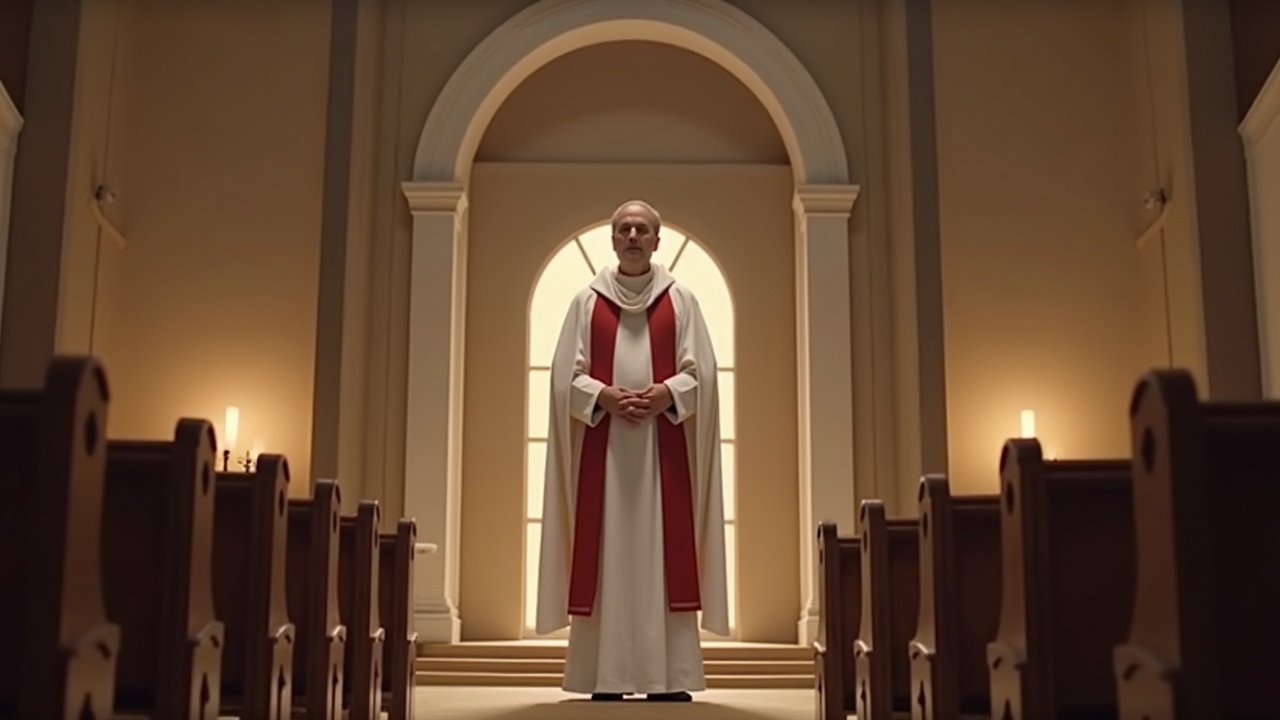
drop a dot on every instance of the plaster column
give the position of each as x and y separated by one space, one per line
10 127
823 375
433 423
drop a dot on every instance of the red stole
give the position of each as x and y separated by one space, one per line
679 546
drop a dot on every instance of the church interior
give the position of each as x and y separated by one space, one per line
992 286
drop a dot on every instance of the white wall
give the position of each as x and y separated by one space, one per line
1260 131
10 126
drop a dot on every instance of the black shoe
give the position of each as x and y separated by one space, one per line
680 696
606 697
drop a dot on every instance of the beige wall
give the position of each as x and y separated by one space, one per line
208 123
1053 118
520 215
1042 165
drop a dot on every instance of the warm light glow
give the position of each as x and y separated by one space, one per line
1028 422
231 428
258 448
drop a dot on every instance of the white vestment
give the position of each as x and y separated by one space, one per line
632 642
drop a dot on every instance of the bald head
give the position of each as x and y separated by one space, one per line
631 207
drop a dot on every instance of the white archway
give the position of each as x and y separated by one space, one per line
437 198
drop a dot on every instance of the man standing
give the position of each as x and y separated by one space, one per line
633 516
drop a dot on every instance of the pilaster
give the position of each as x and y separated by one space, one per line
824 348
433 424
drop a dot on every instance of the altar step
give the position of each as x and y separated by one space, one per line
541 664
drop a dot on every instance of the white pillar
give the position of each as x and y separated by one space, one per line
824 376
10 127
433 424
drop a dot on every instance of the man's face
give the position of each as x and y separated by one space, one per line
634 237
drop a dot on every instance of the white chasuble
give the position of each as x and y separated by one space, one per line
633 515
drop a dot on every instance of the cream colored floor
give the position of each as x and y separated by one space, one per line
540 703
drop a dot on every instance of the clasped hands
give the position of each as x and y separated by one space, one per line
636 406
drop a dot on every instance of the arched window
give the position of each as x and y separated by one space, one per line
569 270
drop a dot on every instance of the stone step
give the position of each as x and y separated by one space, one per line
484 665
522 679
556 650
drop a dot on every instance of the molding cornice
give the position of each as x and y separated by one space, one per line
10 122
548 29
828 199
1264 114
431 198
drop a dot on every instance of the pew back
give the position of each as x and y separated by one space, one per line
890 606
959 601
1068 581
311 589
59 650
1205 625
250 538
158 580
839 615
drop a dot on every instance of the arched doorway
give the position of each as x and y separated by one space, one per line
438 197
570 269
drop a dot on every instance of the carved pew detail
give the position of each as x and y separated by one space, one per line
58 650
839 614
358 563
395 606
158 553
890 604
312 591
251 537
1205 626
959 601
1068 583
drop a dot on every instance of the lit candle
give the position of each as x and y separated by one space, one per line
232 427
1028 423
258 449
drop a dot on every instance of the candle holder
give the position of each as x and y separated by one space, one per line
246 463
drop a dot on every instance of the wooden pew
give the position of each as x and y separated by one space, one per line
250 541
157 554
839 613
1206 617
58 650
1068 583
890 604
358 564
311 588
395 608
959 602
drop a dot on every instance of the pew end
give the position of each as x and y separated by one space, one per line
1205 630
251 538
395 598
959 541
1067 585
358 565
890 605
159 578
312 596
60 647
839 613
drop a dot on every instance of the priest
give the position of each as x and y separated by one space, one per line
633 545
